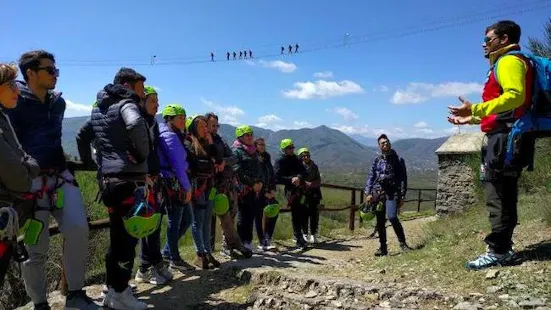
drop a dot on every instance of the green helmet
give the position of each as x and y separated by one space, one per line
243 129
303 150
189 120
221 204
285 143
366 212
149 90
142 219
173 109
271 210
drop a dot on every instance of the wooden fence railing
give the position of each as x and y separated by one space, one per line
352 207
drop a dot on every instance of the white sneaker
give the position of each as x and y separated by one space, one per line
248 246
313 239
269 245
305 236
152 276
125 300
107 294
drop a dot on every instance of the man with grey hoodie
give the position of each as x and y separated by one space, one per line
37 121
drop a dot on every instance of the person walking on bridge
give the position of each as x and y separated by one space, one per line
386 188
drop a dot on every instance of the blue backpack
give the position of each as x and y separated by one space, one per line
537 119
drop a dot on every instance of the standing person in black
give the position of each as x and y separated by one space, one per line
123 142
313 196
290 172
387 184
263 223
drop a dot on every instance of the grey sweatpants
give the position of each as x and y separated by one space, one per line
73 227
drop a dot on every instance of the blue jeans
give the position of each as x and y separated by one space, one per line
391 210
202 217
180 217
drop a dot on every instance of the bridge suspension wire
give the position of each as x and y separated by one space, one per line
345 41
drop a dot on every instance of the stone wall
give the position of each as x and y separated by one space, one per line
456 184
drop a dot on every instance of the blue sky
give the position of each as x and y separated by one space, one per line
399 84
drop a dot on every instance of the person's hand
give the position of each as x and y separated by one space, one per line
368 198
463 110
209 138
295 181
257 187
460 120
131 158
187 196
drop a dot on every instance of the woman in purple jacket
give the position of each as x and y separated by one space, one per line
176 185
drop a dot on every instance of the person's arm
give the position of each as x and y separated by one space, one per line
271 175
243 177
511 76
278 172
138 131
177 157
316 180
84 139
371 178
403 179
15 171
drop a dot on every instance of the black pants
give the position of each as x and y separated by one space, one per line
501 189
247 210
119 259
298 212
265 227
150 250
311 216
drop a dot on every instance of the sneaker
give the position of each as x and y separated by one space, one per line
490 259
248 246
107 295
381 252
80 301
405 247
301 244
164 271
313 239
305 237
181 265
42 306
228 253
150 276
125 300
105 290
246 252
269 246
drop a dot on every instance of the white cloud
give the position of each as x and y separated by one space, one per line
74 109
250 62
353 130
228 119
270 118
301 124
420 92
421 124
382 88
323 75
223 110
270 121
345 113
285 67
322 89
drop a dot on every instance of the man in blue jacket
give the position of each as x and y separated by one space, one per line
37 121
387 183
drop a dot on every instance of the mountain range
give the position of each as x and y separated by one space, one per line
331 149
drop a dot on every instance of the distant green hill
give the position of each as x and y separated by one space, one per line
332 150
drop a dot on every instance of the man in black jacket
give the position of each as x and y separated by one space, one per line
290 172
123 146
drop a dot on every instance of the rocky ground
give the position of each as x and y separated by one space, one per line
341 273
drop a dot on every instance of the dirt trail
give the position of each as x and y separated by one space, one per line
228 288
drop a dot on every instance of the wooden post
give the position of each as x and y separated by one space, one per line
419 201
352 216
63 282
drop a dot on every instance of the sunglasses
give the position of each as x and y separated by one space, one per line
488 40
49 70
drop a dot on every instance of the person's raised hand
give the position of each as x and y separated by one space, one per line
463 110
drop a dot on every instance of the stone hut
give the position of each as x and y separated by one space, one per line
455 190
